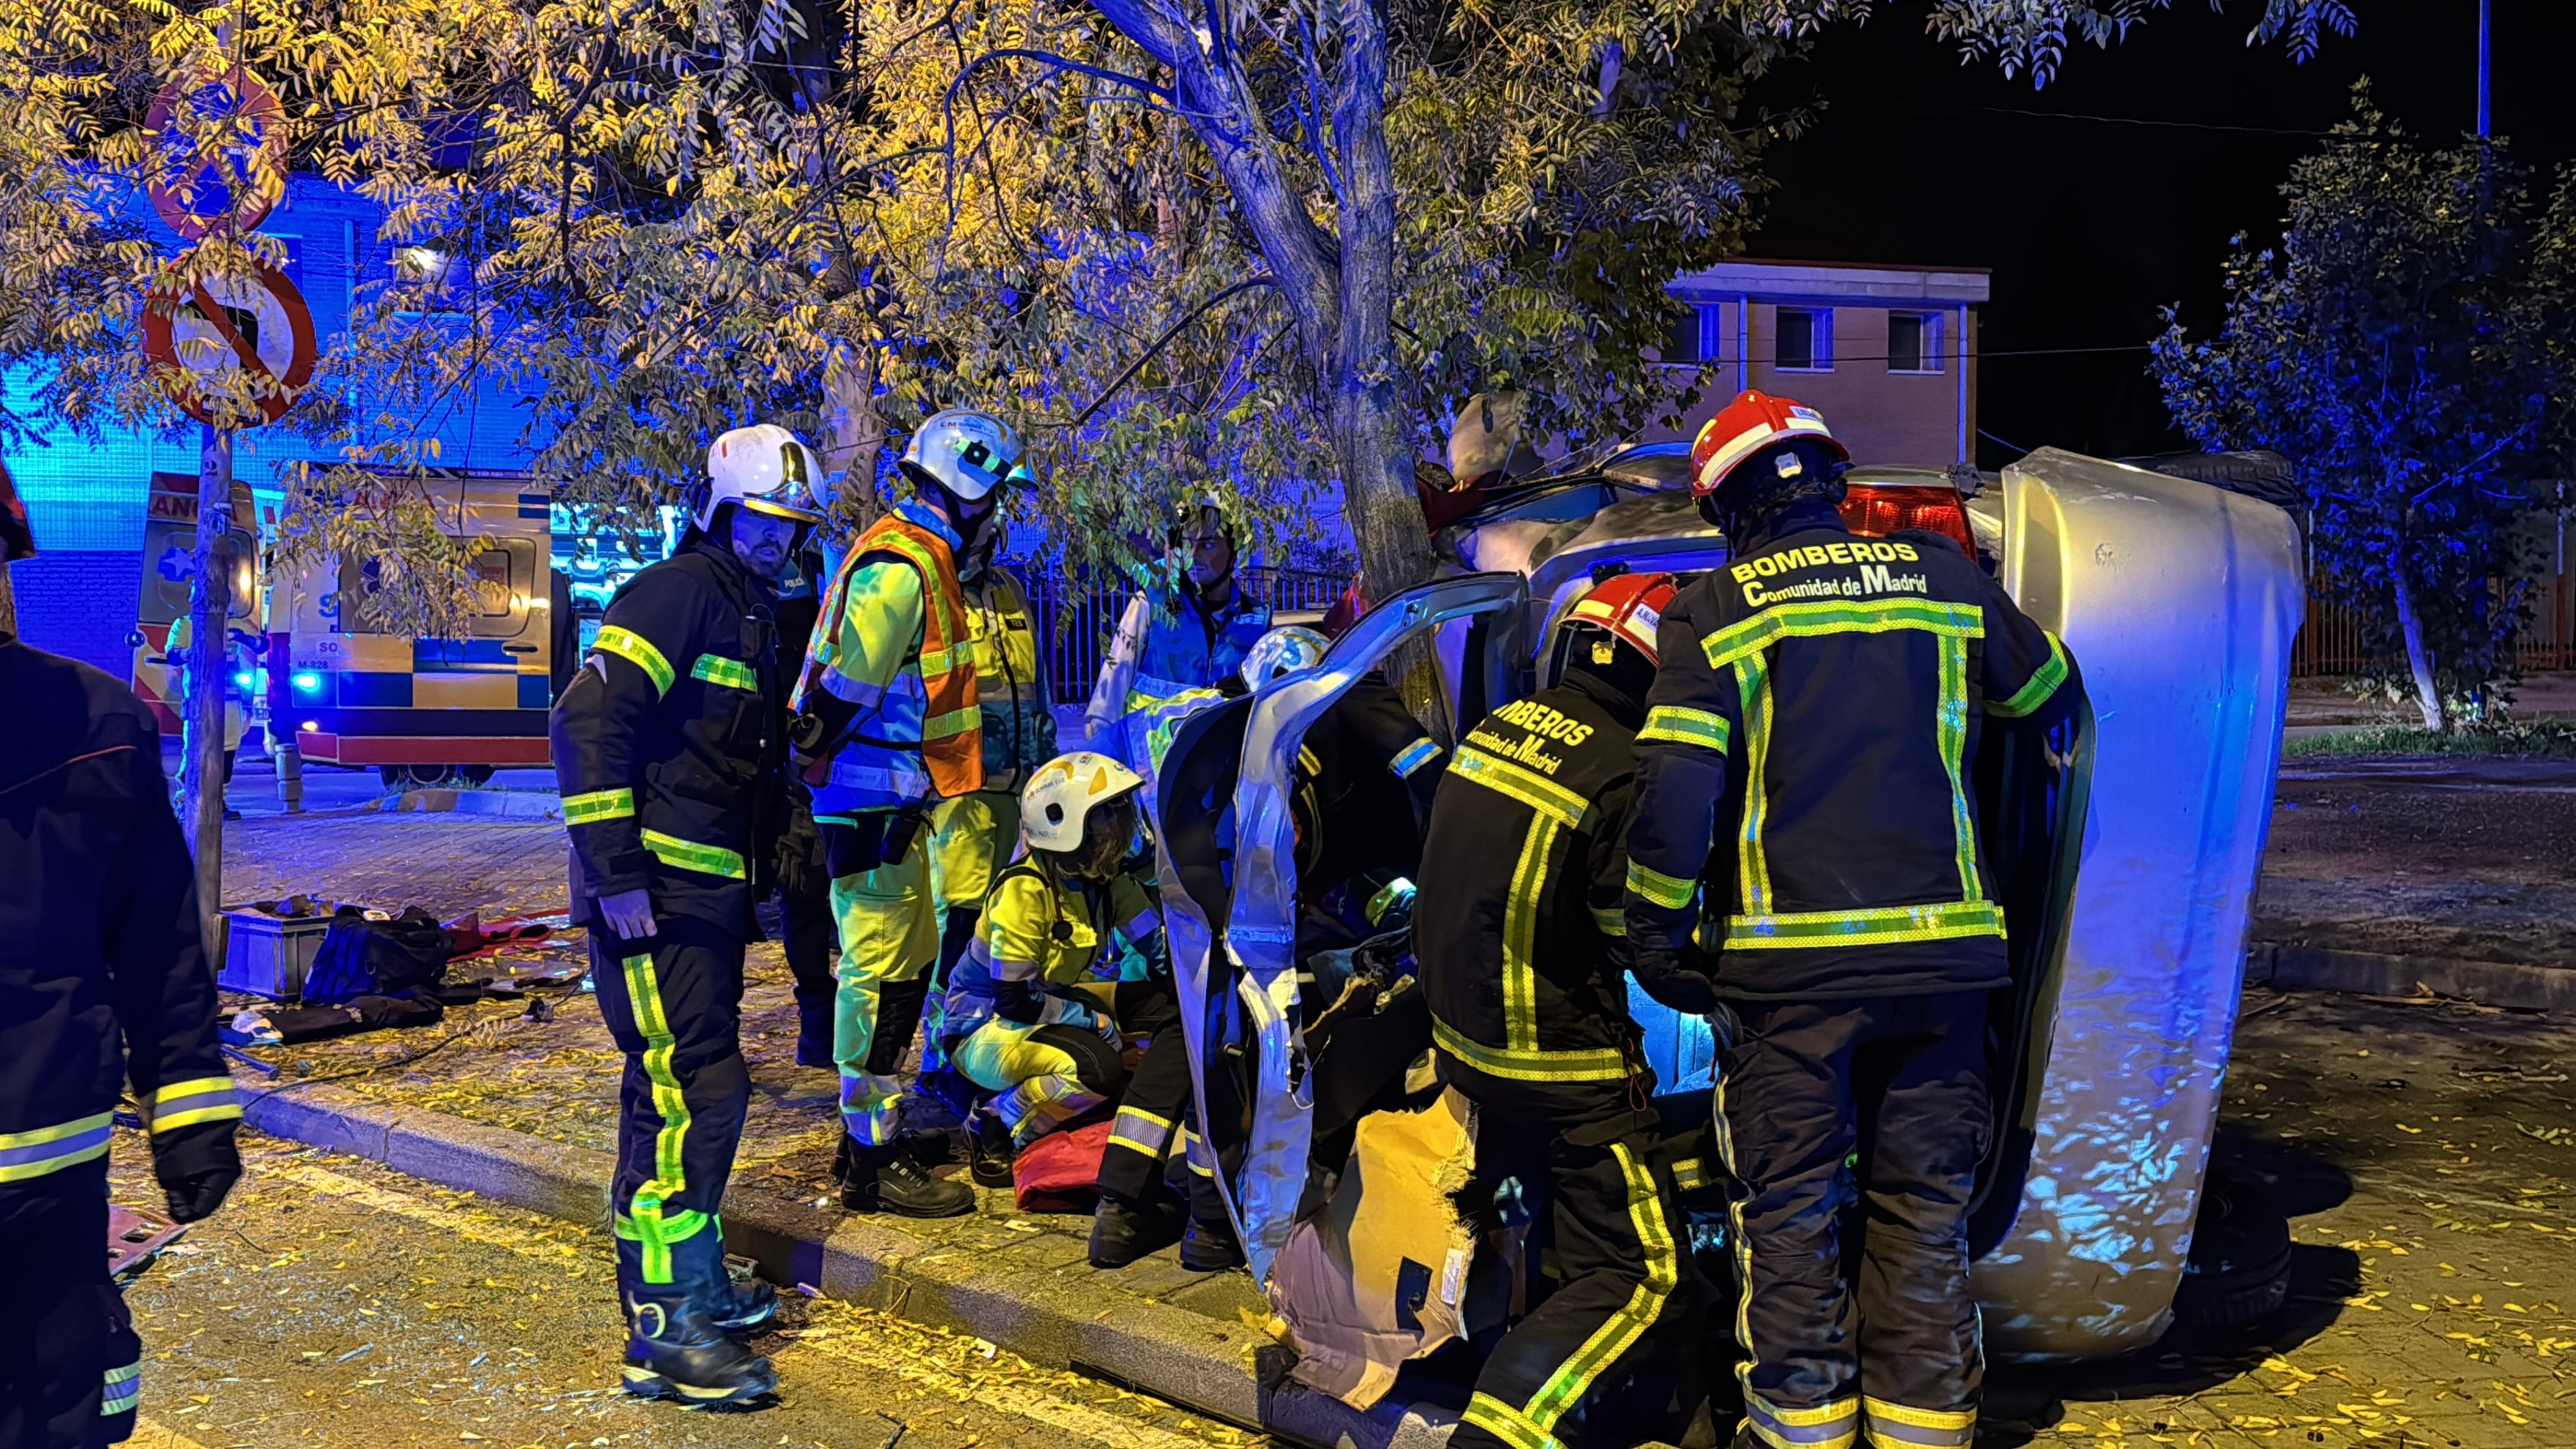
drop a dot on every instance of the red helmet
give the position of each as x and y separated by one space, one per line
1746 426
1630 606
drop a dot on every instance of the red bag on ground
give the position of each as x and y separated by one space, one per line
1060 1172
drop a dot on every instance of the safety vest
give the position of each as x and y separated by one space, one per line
940 674
1178 653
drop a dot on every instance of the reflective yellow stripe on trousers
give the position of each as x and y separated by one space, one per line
646 1221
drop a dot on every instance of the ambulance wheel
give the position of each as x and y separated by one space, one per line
2238 1274
471 774
396 777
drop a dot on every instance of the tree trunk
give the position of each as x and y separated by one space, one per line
201 766
853 436
8 604
2428 695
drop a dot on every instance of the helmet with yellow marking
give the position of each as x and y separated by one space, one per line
764 468
1057 803
1750 425
1629 608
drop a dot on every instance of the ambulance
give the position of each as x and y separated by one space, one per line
161 608
428 711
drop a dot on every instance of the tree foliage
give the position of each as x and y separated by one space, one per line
2411 344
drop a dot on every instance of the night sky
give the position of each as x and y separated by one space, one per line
2090 226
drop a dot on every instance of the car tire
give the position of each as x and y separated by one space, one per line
2238 1274
469 775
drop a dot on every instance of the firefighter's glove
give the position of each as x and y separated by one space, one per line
197 1165
801 869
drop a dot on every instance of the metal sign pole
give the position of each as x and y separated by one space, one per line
201 769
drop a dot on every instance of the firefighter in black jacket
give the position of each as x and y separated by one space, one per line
1523 953
1826 694
668 749
103 985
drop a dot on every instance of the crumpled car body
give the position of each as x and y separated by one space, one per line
2129 844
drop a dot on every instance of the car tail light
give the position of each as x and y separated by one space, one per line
1879 510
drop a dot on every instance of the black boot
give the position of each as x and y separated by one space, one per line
1210 1247
674 1348
994 1152
1122 1232
752 1304
888 1180
814 1033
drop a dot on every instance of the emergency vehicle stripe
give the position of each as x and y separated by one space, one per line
654 1229
1140 1131
1953 720
1520 934
1681 725
637 650
1530 1064
680 854
2043 683
1752 862
121 1390
1566 1387
1840 616
1881 926
1669 891
1413 757
1610 920
731 673
1529 787
598 805
51 1149
202 1099
1895 1426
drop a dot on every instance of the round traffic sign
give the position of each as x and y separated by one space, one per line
231 342
221 141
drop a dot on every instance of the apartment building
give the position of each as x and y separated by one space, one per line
1887 353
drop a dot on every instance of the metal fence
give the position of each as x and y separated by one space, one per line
2330 644
1075 618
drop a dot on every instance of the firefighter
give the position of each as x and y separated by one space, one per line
1192 639
1026 1017
889 724
109 990
810 936
668 748
1820 702
1524 954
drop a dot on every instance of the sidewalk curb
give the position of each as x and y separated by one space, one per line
505 804
1228 1371
2488 983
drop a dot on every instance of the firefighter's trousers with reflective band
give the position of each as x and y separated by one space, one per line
674 1007
889 925
1043 1077
1149 1139
1896 1084
70 1365
1611 1357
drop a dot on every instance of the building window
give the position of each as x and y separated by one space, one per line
1804 339
1914 342
1685 346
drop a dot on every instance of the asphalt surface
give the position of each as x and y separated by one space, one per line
334 1302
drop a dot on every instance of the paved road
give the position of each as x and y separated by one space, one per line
333 1302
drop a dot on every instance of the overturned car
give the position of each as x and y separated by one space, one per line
2126 844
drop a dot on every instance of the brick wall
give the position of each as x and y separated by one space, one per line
79 604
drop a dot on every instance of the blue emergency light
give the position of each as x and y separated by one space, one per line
307 682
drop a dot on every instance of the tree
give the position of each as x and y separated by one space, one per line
2407 343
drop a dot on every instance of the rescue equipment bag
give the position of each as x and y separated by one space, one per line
360 957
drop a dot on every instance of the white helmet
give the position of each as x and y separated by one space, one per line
1058 800
1283 650
969 453
765 469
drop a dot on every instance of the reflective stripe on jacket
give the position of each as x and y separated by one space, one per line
104 981
891 649
1516 919
667 743
1808 763
1010 680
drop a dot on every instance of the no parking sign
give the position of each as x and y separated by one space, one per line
247 339
221 134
